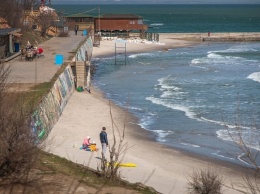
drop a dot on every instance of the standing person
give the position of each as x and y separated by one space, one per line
76 29
104 142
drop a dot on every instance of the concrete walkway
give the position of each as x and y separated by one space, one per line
43 69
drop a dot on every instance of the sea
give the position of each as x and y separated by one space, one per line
202 99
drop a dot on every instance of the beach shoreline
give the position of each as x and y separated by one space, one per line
159 166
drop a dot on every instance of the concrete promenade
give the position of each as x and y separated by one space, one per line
43 69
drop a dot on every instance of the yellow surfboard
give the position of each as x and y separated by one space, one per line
124 164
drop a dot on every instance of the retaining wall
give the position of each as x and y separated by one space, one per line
53 104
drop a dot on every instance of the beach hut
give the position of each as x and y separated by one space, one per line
119 24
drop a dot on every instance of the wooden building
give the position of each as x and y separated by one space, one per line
116 24
83 21
108 24
9 37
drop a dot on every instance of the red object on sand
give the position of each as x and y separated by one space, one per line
39 51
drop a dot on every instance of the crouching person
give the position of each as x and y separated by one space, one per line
86 143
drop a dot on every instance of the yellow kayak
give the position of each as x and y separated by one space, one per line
124 164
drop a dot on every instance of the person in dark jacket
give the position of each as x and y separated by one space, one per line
76 29
103 140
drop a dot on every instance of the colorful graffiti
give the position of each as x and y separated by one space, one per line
85 51
52 105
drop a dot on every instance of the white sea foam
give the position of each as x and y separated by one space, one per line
146 120
140 54
191 145
221 156
237 49
254 76
157 24
249 136
219 123
162 102
162 134
133 108
240 158
215 57
166 94
173 92
166 83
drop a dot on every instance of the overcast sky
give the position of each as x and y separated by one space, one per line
158 1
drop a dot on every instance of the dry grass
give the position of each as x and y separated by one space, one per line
58 175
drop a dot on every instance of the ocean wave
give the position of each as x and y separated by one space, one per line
140 54
221 57
166 83
161 134
163 79
133 108
157 24
170 87
146 120
240 158
221 156
170 94
249 137
190 145
254 76
222 123
237 49
163 102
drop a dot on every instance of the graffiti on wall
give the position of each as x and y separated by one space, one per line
85 51
52 105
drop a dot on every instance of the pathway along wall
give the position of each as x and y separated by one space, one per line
52 105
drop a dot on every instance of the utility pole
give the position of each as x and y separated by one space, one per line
99 21
99 28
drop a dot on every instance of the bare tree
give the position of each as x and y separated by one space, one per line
117 150
17 142
45 20
247 139
12 10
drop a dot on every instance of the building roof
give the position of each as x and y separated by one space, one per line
108 16
79 15
3 23
121 16
7 31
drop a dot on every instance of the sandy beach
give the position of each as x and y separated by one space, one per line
160 167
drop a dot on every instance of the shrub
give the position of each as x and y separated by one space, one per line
205 182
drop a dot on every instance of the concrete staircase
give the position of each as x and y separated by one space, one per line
81 74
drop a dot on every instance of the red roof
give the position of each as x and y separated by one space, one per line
121 16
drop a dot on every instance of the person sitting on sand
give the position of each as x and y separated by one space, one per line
86 143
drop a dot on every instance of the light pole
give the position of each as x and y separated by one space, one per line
36 71
99 21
